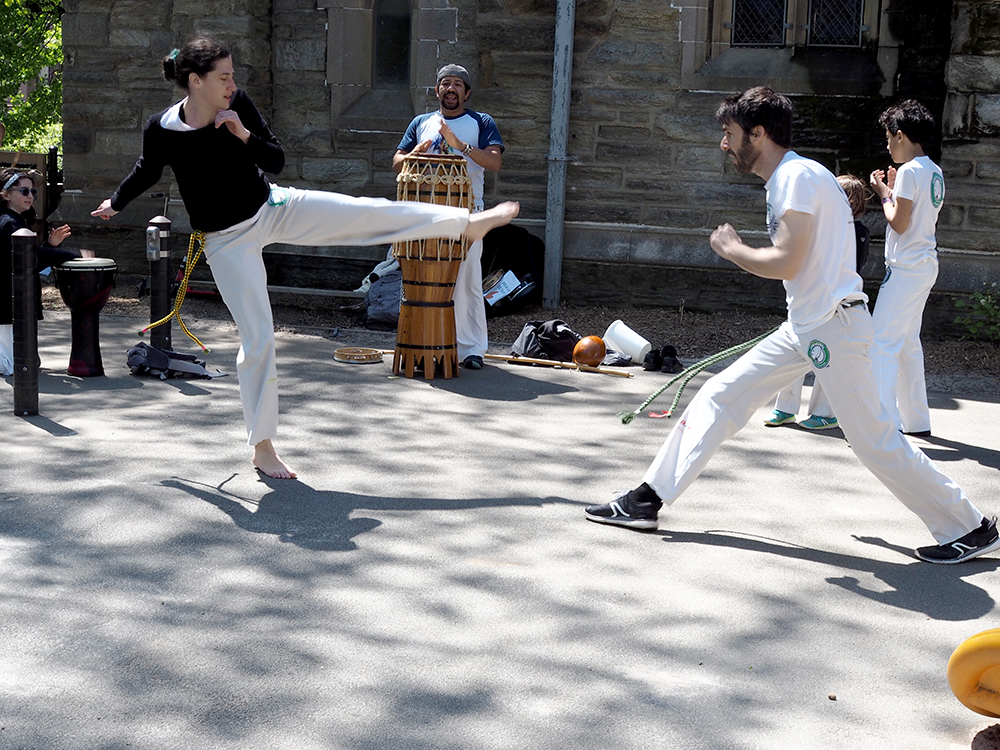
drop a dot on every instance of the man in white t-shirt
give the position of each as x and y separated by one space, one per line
911 202
828 331
454 128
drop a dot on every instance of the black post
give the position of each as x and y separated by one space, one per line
158 254
25 282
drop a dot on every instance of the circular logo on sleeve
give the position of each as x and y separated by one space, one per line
819 354
937 190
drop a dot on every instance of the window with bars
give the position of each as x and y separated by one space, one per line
811 23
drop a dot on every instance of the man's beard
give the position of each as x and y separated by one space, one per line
450 106
745 156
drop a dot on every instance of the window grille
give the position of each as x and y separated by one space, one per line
758 23
835 23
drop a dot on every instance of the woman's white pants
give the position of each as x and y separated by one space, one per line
301 217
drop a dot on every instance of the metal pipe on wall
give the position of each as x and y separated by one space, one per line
555 202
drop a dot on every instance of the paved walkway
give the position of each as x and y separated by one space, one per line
430 581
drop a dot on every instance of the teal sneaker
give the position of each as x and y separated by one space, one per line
819 423
778 418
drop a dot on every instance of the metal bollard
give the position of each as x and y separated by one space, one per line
158 255
25 282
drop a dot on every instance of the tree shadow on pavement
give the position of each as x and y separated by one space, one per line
938 591
319 520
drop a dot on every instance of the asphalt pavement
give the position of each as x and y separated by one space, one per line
430 581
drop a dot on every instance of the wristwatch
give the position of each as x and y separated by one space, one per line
468 149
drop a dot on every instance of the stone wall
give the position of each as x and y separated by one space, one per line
971 216
647 182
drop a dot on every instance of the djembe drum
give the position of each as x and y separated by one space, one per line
426 332
85 285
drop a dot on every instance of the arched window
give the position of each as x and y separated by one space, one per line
392 44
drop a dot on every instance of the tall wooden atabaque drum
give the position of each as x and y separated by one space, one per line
426 333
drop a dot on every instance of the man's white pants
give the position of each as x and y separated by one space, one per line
305 217
897 356
838 352
470 305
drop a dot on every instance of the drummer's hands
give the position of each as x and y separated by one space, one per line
57 235
232 121
421 148
450 136
104 211
87 253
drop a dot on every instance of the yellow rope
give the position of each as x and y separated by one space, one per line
197 240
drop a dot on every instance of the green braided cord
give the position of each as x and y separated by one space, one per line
688 374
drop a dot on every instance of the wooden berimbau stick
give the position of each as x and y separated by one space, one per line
549 363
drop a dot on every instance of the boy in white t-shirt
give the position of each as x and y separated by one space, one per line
911 200
829 331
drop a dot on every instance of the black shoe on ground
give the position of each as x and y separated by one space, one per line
472 362
919 434
623 512
670 363
977 542
652 361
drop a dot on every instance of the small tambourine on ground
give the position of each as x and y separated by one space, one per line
358 354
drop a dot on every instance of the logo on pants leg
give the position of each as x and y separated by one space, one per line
819 354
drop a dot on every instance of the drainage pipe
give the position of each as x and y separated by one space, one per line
555 202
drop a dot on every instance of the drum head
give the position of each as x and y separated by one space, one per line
88 264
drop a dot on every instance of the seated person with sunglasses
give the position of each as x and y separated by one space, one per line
17 196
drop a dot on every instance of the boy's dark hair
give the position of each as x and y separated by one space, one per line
762 106
913 118
198 56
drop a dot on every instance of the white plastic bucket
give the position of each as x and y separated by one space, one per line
623 339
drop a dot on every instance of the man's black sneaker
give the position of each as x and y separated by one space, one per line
919 433
976 542
472 362
623 512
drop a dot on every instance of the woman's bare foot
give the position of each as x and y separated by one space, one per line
484 221
269 462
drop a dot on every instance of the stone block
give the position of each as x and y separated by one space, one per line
439 24
951 216
985 218
300 55
139 14
696 129
623 134
986 113
335 174
988 170
956 169
519 34
86 29
637 20
972 73
118 142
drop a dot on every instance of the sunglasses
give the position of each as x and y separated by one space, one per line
26 192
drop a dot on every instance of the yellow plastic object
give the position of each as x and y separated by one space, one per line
974 673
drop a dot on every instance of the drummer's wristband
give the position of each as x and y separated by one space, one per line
468 149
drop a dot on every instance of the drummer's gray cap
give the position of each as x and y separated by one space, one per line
455 70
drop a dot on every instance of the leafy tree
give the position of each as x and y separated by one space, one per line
31 58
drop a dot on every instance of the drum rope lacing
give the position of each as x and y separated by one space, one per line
452 178
197 240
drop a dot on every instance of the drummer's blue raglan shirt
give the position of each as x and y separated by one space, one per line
477 128
221 179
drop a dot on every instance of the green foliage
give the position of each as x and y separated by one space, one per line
982 321
31 58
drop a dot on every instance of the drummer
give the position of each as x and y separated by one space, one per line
18 192
454 128
219 146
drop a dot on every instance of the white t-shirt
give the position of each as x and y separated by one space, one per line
828 275
919 180
477 128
